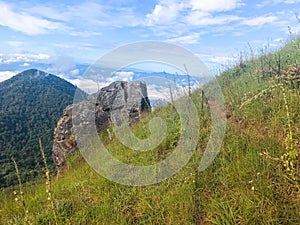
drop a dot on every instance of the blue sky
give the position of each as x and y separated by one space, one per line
74 32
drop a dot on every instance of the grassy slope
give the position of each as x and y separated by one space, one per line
246 184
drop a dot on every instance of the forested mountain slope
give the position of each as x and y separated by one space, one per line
30 105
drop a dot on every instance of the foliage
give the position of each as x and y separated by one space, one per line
31 104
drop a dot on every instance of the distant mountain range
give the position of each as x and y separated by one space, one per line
30 105
75 73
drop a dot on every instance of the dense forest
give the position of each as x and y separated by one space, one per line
30 105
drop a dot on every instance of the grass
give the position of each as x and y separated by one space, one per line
248 183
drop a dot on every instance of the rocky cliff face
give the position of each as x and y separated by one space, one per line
122 99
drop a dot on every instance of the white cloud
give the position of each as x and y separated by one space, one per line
259 21
174 19
87 45
164 12
48 12
215 5
25 22
87 11
121 76
84 33
195 17
221 60
272 2
158 92
87 18
25 64
188 39
5 75
217 63
200 18
91 15
287 1
74 72
194 11
87 85
62 64
63 45
15 43
22 57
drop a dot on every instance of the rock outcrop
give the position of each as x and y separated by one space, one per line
122 99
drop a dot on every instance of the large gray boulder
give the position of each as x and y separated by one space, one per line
120 101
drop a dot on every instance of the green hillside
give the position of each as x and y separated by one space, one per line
255 179
30 105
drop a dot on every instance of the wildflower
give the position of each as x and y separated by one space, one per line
14 192
16 199
252 188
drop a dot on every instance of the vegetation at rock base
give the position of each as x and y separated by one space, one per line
255 179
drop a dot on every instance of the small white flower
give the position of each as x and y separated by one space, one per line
252 188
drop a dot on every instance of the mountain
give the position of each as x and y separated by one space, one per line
30 105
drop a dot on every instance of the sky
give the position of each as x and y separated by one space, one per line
67 33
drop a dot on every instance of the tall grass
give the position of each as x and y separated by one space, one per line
20 195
